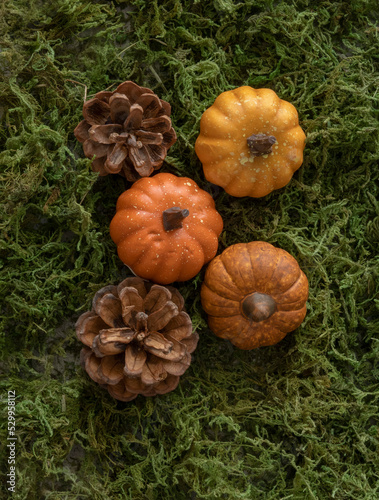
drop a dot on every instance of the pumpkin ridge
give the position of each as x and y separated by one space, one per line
184 257
278 295
282 325
278 265
145 193
284 177
235 319
123 246
145 188
270 180
125 202
222 304
131 233
191 230
139 210
231 277
220 290
253 266
291 310
218 287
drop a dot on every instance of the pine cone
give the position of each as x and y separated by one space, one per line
138 339
128 130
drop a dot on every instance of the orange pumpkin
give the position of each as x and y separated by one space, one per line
254 294
166 228
250 142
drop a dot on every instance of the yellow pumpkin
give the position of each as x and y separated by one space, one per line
250 142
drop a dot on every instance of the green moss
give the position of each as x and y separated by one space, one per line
298 420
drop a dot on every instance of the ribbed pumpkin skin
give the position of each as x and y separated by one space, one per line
146 247
246 268
222 144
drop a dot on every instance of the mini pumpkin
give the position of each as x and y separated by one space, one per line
166 228
250 142
254 294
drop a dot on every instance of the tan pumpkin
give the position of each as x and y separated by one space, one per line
250 142
166 228
254 294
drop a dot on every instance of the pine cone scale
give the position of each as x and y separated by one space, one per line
132 90
153 372
92 148
146 137
178 350
91 364
179 327
119 108
132 285
112 341
103 133
116 156
104 95
98 166
177 368
96 112
151 104
108 307
88 326
157 153
141 160
120 392
169 138
160 124
130 298
81 131
167 385
156 343
190 343
111 370
134 120
156 298
135 359
157 320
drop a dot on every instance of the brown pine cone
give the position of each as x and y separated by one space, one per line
128 130
138 339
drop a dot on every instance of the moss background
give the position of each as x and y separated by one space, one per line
298 420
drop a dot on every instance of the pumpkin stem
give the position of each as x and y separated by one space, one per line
173 217
258 307
260 144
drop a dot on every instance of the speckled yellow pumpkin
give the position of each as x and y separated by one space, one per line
254 294
250 142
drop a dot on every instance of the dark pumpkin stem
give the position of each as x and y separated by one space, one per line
258 307
173 218
260 144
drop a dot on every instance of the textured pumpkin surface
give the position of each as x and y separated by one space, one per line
222 144
153 252
249 268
